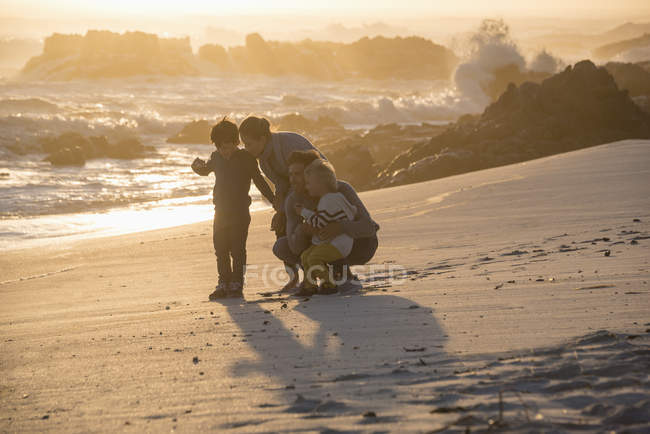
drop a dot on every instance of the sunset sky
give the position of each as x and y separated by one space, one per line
121 8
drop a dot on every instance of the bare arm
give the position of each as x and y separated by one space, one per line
281 190
260 182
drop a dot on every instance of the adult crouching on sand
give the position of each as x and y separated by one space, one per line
298 236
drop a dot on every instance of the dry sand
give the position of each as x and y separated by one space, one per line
508 290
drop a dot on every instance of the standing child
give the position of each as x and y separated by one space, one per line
332 206
233 169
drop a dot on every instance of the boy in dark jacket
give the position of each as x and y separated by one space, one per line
233 169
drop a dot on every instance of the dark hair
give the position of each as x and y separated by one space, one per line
224 132
303 157
255 127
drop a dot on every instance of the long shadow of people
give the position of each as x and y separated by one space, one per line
329 345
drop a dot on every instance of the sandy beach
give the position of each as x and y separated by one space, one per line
514 297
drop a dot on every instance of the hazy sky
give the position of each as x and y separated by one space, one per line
167 8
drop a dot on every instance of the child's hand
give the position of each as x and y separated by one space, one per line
298 207
198 164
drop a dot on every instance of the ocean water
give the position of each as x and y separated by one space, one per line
43 204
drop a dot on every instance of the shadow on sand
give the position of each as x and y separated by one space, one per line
333 355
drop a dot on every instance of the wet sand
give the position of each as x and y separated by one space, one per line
520 298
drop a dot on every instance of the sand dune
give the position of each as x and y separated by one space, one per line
522 301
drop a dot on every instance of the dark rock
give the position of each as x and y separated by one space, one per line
73 149
68 140
196 132
444 410
67 157
127 149
511 74
579 107
414 349
354 165
358 158
631 77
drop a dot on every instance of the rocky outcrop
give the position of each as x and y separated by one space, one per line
215 54
358 156
195 132
104 54
68 156
630 76
617 48
579 107
376 58
635 78
511 74
74 149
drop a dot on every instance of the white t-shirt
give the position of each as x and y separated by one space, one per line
332 207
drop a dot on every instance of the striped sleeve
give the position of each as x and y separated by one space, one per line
331 208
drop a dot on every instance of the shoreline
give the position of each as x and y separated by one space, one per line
101 224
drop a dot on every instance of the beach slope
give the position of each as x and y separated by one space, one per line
516 296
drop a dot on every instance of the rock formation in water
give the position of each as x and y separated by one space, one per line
376 58
579 107
195 132
73 149
105 54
